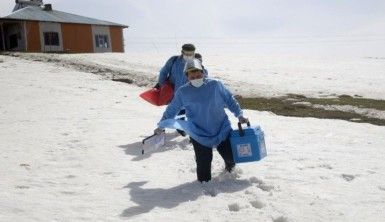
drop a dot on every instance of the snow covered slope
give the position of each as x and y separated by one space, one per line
261 75
70 151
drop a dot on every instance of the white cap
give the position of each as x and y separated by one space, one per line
192 64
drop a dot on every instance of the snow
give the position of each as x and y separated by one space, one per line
264 74
71 151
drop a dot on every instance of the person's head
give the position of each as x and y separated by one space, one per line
198 56
188 51
194 72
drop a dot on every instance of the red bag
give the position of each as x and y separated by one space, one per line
159 97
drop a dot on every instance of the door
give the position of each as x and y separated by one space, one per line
1 42
13 43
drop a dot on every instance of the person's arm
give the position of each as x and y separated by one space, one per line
165 71
172 110
231 103
174 107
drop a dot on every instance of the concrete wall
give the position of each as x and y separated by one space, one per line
50 27
101 30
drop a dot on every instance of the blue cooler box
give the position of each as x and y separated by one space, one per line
248 144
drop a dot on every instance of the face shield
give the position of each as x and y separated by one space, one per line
188 55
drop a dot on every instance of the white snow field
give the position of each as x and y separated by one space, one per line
70 151
262 75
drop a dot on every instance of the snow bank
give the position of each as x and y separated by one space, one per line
262 75
70 151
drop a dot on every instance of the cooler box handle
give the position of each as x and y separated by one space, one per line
241 132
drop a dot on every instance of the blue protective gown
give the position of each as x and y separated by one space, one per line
207 122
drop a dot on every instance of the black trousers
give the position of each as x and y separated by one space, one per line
204 156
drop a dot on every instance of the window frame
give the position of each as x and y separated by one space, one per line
102 41
51 38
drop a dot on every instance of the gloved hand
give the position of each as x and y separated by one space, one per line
157 86
158 131
243 119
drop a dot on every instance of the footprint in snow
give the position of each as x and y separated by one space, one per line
208 188
381 188
25 165
348 177
265 187
70 176
281 219
210 191
68 192
324 178
235 207
261 184
257 204
326 166
255 180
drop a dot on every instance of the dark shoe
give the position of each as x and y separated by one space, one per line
181 132
229 167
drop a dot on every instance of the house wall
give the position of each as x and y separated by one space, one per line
73 38
33 36
101 30
50 27
117 39
77 38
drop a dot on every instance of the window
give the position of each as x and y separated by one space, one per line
102 41
51 38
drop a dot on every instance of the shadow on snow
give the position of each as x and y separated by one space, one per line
148 199
135 149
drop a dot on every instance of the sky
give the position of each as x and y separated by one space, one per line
276 26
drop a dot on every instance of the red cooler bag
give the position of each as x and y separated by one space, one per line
159 97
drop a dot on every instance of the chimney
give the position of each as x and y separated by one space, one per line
48 7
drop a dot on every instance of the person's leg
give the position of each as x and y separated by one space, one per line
203 158
224 149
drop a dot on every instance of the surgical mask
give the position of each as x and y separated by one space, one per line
197 82
185 57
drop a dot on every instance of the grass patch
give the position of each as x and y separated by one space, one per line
348 100
129 81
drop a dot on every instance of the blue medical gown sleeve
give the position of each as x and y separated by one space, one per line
165 71
231 103
174 107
